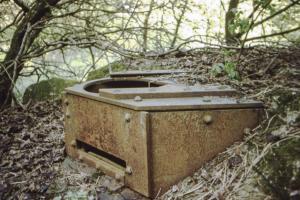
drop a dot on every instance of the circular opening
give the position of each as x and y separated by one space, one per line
121 84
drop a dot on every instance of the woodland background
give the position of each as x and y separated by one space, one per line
46 45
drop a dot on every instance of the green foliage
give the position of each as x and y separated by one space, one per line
240 24
104 71
231 71
280 171
217 69
47 89
229 68
266 5
285 100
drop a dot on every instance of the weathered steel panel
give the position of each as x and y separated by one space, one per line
183 140
167 91
135 73
150 138
105 127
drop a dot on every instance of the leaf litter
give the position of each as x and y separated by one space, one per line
34 165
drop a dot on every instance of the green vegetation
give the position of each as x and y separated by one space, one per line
280 169
228 68
104 71
46 89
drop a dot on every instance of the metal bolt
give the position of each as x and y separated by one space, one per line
128 170
138 98
118 177
98 167
127 117
73 143
68 115
247 130
207 119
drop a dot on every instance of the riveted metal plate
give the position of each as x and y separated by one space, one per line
167 91
153 133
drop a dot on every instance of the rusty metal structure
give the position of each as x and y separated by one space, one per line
150 133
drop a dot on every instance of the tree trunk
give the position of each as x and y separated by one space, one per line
25 34
230 36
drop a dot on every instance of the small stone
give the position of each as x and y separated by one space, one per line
129 194
118 177
110 183
272 138
235 161
175 188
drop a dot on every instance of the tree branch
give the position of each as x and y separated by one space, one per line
276 13
273 34
22 5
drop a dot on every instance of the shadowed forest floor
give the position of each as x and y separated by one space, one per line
34 165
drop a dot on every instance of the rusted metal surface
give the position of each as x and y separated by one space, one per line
183 140
167 91
177 102
151 143
145 73
105 127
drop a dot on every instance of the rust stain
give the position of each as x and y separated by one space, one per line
158 147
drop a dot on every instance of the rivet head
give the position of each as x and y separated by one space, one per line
127 117
138 98
118 177
67 114
128 170
247 130
66 102
207 119
98 167
73 143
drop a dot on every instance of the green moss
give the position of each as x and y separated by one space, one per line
117 66
286 100
280 170
104 71
47 89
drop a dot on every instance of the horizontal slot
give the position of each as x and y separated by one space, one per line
88 148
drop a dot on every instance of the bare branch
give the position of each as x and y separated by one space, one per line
22 5
273 34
